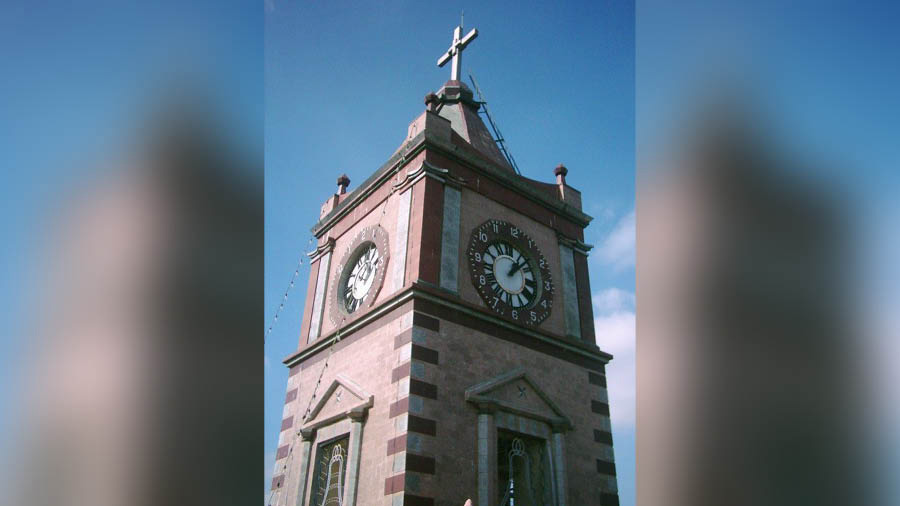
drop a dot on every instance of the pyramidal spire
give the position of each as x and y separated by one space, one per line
455 102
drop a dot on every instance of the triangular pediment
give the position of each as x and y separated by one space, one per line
516 392
341 399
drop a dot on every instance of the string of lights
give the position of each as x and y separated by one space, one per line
337 336
331 347
287 291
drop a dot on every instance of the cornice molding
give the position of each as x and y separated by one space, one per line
420 292
327 247
576 245
485 168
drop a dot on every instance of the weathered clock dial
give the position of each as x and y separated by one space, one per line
510 273
360 273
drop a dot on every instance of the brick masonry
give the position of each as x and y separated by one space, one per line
418 440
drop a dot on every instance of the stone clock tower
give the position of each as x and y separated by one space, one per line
447 350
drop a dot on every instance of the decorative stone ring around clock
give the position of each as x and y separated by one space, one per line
360 273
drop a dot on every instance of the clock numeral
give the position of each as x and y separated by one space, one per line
515 314
514 232
477 257
543 263
496 228
546 285
544 303
483 236
481 280
533 316
496 301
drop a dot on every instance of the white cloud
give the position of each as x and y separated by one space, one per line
617 249
614 324
612 299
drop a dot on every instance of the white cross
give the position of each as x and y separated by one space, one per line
455 51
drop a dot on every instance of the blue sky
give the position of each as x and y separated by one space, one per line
344 80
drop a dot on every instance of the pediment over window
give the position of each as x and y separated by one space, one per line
516 392
343 398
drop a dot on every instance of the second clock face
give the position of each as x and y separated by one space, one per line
510 273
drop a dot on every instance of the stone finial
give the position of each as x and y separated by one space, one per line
468 502
560 172
343 182
431 101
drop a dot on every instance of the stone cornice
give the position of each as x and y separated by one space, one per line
484 167
578 246
321 250
418 291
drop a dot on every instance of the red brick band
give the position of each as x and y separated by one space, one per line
597 379
282 452
394 484
424 354
602 436
396 445
400 407
422 389
601 408
415 500
277 481
604 467
290 396
421 425
609 499
426 322
400 372
287 423
420 463
403 338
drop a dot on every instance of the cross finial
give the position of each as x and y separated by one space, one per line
456 48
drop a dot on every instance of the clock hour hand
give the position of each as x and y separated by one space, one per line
515 269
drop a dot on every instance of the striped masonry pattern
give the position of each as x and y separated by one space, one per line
605 460
412 466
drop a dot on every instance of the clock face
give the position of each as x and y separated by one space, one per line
510 273
359 274
359 282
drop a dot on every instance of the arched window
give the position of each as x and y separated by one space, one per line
331 470
523 470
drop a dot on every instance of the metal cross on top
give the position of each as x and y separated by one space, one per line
456 49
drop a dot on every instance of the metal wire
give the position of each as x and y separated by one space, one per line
287 291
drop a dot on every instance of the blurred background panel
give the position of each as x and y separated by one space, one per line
131 352
767 253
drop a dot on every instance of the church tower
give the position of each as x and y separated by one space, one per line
447 349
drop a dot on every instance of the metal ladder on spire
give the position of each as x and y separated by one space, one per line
498 137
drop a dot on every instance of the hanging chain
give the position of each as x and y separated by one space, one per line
331 347
287 291
337 336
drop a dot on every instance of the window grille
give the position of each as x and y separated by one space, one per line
331 473
523 471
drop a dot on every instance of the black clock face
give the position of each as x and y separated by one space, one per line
510 273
